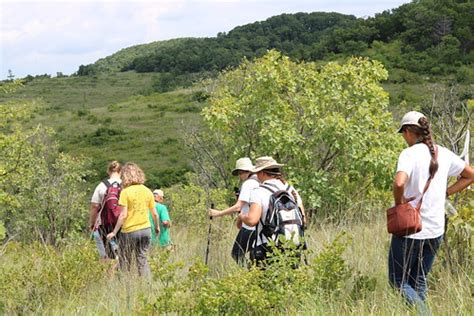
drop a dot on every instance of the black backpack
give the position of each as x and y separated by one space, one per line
284 219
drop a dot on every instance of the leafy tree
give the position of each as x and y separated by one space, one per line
10 76
40 187
330 125
86 70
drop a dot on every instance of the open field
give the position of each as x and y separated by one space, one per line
117 116
365 255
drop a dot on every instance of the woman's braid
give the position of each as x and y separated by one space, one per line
427 139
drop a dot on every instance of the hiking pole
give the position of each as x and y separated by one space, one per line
209 236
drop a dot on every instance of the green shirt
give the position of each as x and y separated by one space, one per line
164 231
154 240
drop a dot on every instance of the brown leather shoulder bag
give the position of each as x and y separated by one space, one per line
404 219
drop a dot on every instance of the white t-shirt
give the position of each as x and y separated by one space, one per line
261 196
415 162
101 189
244 196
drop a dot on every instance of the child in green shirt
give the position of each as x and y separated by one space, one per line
165 221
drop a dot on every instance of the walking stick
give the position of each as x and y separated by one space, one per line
209 236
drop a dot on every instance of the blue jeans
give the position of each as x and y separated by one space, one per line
409 262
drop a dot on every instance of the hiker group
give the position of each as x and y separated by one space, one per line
270 210
126 217
271 214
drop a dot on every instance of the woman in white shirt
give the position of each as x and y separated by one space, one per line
245 238
269 174
411 257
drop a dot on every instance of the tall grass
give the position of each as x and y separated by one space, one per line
366 255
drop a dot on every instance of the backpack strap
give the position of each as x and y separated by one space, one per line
102 204
269 187
272 188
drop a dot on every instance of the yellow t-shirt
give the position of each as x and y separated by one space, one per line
138 200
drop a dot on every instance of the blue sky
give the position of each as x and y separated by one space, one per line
53 36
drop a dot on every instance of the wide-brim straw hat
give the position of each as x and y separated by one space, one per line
263 163
411 118
242 164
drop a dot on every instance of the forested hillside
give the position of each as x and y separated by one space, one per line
427 37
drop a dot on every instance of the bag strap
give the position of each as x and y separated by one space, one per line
269 186
102 203
427 185
272 188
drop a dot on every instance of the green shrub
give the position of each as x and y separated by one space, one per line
457 252
189 202
330 270
239 293
465 75
82 112
32 276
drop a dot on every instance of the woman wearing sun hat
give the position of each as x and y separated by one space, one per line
411 257
268 171
244 240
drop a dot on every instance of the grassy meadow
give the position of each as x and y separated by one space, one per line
117 116
181 284
120 116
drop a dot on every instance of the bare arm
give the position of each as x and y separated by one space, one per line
399 187
233 209
467 178
298 199
120 221
253 216
156 219
93 215
301 206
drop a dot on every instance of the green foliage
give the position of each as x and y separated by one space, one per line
167 177
458 252
279 289
43 195
239 293
35 275
331 271
70 280
92 117
189 202
3 231
332 122
414 36
86 70
168 81
40 187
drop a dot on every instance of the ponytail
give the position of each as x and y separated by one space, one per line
427 139
114 166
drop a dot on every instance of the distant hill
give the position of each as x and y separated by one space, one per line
132 106
425 37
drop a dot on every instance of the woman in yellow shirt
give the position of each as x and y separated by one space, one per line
136 200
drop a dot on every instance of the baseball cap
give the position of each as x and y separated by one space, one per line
411 118
158 192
